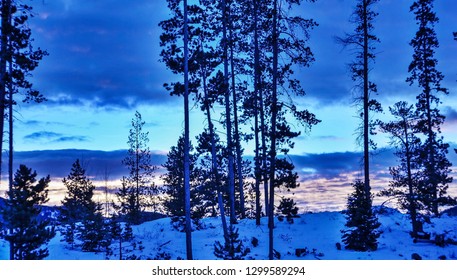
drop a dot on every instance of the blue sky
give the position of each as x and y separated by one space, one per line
104 65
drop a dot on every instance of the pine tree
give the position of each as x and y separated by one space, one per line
361 233
24 229
288 208
138 189
18 59
77 204
404 186
363 40
174 186
233 248
120 235
80 216
424 73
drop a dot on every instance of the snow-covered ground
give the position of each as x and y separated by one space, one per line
317 232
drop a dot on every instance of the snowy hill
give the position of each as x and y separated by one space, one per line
316 233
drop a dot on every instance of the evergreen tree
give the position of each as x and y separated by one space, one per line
233 248
80 216
93 232
121 240
77 203
18 59
363 40
404 186
361 233
179 58
288 208
24 229
174 186
424 73
138 189
287 41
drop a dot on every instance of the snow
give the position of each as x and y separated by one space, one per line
317 232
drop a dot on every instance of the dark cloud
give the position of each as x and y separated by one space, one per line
335 165
57 163
328 80
451 114
35 123
102 53
54 137
42 135
71 139
106 53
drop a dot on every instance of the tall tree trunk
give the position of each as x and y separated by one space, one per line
236 132
5 22
228 122
366 124
257 168
11 132
411 199
274 111
214 164
4 87
186 138
137 174
431 150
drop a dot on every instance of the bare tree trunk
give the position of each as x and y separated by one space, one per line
186 138
11 132
274 111
366 140
5 21
236 132
257 170
431 150
231 173
214 164
5 58
411 199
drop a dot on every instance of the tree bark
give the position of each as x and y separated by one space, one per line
366 96
257 170
228 122
236 132
186 138
274 111
214 164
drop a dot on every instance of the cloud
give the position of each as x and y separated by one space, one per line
57 163
42 135
106 54
72 139
50 136
35 123
451 114
101 61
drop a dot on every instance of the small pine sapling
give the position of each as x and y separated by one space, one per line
233 249
362 224
288 208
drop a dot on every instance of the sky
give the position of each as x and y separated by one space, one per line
103 65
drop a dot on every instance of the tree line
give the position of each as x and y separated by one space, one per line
236 60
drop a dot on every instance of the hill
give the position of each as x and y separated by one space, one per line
314 234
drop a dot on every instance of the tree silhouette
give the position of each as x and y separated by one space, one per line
405 184
362 41
424 73
138 188
24 229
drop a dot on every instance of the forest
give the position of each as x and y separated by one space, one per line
236 62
